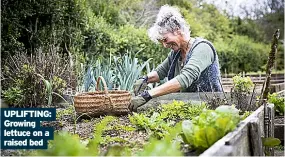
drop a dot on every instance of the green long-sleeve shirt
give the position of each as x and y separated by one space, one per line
201 58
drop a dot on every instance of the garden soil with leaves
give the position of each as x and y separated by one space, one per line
84 128
118 131
154 132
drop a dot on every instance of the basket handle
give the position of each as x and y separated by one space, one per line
104 83
105 88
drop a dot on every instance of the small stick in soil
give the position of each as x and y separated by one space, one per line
199 93
205 95
214 95
222 88
252 95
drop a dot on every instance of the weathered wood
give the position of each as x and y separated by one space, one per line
280 81
279 131
255 137
239 139
271 111
277 87
275 75
219 151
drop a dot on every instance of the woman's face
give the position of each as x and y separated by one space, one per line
172 40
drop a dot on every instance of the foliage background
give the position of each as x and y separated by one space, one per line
81 31
88 28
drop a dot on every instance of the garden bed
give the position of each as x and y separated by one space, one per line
121 131
236 143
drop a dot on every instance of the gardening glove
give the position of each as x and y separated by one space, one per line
139 101
140 85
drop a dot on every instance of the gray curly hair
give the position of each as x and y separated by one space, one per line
169 19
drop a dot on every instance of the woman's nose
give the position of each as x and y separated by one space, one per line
164 44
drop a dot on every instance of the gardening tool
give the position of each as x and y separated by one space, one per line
140 85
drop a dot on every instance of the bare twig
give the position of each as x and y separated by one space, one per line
270 63
252 94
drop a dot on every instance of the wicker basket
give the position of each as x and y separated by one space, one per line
113 102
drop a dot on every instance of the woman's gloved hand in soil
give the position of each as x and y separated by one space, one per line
139 101
140 85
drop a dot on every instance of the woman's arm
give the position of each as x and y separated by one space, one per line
201 58
160 72
169 87
152 77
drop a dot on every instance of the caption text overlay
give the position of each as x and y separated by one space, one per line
21 128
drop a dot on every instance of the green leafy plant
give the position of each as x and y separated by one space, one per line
211 125
105 69
242 84
270 142
89 79
128 70
108 139
117 150
67 111
246 114
92 71
49 88
119 71
124 128
168 146
41 77
278 103
98 131
65 144
13 95
178 110
154 125
241 90
158 122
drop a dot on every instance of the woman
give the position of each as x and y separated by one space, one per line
191 66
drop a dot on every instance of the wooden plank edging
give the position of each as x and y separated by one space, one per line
233 137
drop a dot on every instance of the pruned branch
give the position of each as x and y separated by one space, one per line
270 63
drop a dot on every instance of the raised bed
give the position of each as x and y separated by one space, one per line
245 140
279 122
279 128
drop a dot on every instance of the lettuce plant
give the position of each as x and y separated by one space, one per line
211 125
278 103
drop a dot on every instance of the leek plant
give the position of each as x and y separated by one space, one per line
49 89
121 72
128 70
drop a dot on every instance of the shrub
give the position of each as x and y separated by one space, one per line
26 79
242 84
240 53
278 103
